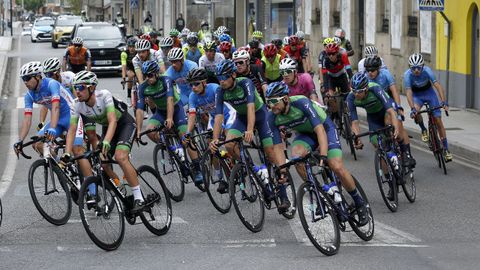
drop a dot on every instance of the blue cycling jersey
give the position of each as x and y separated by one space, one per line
193 56
50 91
206 102
421 82
180 79
384 79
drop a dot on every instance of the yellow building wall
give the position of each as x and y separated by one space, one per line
460 13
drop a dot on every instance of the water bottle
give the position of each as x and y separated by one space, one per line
393 159
262 172
178 150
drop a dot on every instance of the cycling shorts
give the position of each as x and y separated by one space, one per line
341 82
124 134
376 121
261 124
229 117
62 127
429 97
179 118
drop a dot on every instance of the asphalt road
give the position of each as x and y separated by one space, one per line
439 231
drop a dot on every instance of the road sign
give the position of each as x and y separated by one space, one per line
133 4
431 5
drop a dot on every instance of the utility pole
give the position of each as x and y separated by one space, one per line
11 18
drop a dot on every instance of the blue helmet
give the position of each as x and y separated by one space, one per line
359 81
225 37
150 67
226 67
276 89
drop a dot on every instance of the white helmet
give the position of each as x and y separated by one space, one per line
340 32
166 42
288 63
337 40
221 29
370 51
300 35
85 77
241 54
77 41
31 68
185 32
51 64
142 45
175 54
415 59
285 40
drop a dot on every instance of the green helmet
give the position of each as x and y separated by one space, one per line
174 32
257 34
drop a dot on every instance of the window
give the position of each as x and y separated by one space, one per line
383 9
413 19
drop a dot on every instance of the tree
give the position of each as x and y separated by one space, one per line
76 6
34 5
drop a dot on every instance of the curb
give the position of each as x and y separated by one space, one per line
3 72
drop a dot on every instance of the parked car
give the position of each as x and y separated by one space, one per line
42 29
62 30
105 42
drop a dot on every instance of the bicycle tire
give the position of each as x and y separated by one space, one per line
157 214
221 202
348 135
91 218
408 185
167 168
438 150
385 184
63 193
1 213
306 192
249 194
367 231
292 197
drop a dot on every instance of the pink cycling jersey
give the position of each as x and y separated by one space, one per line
304 86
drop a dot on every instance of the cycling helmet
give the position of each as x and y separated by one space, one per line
415 60
85 77
225 46
225 37
226 67
332 48
166 42
337 40
221 29
77 41
293 40
142 45
175 54
185 32
257 34
173 32
327 41
210 46
285 40
370 51
145 36
197 74
277 42
359 81
31 68
204 23
150 67
288 63
51 64
373 62
340 33
300 35
131 42
270 50
192 38
240 54
276 89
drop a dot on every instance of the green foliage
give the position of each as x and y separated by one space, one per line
34 5
76 6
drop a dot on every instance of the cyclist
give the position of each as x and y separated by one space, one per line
166 45
224 30
128 70
77 56
205 34
297 52
169 108
152 45
226 37
154 39
49 93
193 51
345 43
226 49
52 69
251 111
255 53
244 69
178 71
118 128
145 53
184 35
202 99
336 69
271 63
177 43
321 56
210 60
369 51
258 36
279 44
314 131
385 80
303 43
298 84
419 82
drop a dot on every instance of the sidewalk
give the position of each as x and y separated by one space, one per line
463 129
5 46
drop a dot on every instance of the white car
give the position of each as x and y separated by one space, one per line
42 29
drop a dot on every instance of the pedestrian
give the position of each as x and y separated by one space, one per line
180 22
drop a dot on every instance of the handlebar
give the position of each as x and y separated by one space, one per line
155 129
314 154
378 131
33 140
431 109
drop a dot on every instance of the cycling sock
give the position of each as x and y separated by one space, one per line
445 143
137 193
92 189
357 198
422 126
219 174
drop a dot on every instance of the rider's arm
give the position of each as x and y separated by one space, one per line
71 134
408 88
65 59
250 88
348 66
192 112
54 87
170 108
441 92
123 60
140 108
349 48
353 113
138 69
217 127
161 64
43 114
89 60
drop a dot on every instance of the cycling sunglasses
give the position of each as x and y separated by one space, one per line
240 63
224 77
359 91
330 54
150 75
273 101
415 68
27 78
286 72
195 84
80 87
371 69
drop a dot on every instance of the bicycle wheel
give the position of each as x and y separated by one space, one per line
318 219
292 197
168 169
220 201
1 213
408 185
157 215
438 150
102 216
348 134
386 181
51 198
246 198
365 232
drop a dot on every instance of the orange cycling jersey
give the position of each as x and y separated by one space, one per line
77 58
